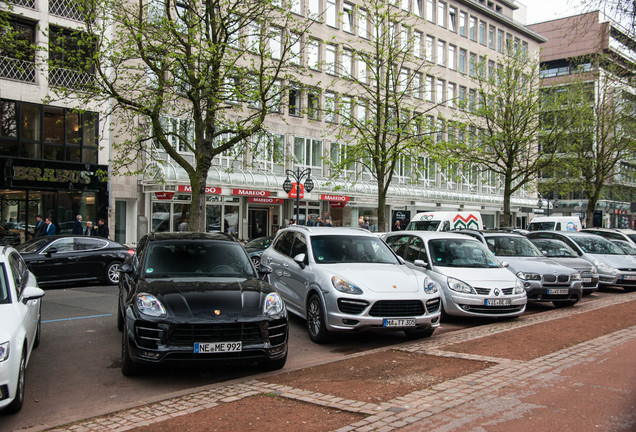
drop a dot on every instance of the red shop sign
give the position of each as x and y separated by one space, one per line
335 198
337 204
296 189
164 195
249 192
208 190
265 200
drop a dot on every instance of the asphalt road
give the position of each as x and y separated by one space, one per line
75 373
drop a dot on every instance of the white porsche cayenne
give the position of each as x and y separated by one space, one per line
20 320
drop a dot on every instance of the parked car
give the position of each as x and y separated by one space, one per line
472 280
256 247
627 235
543 279
195 298
563 254
8 237
62 259
346 280
613 265
628 247
20 320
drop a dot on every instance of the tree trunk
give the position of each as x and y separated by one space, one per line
381 204
198 182
507 217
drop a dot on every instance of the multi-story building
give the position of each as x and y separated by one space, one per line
245 193
593 51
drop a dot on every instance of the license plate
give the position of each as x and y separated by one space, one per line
556 291
399 322
217 347
586 280
629 277
497 302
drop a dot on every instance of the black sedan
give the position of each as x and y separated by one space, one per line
63 259
192 298
256 247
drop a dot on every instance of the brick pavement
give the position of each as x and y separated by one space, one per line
429 406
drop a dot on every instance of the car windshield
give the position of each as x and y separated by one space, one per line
512 246
461 253
598 245
259 243
632 237
332 249
626 247
554 248
4 289
541 226
183 258
32 246
423 225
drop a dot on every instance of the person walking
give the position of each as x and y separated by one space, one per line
77 226
102 229
396 226
328 223
40 227
90 230
50 228
310 221
365 224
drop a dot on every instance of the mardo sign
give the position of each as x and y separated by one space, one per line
208 190
257 200
334 198
252 193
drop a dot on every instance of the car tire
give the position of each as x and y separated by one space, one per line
256 260
128 368
316 327
111 274
18 400
564 304
419 333
272 365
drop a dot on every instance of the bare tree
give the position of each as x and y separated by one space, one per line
218 66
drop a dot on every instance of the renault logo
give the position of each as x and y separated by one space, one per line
497 292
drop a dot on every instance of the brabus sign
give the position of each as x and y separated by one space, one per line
248 192
335 198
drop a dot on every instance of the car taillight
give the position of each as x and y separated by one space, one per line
131 251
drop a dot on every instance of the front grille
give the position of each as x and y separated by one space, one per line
508 291
483 291
352 307
4 392
493 309
432 305
188 334
397 308
149 335
277 331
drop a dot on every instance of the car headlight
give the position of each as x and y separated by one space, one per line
459 286
576 276
604 267
345 286
528 276
519 288
4 351
430 287
150 305
273 304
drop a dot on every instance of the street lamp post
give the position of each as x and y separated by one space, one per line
548 198
298 175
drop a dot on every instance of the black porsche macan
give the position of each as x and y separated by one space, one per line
192 298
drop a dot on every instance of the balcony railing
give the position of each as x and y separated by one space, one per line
24 3
65 9
18 70
68 78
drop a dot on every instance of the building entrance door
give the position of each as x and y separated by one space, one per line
257 222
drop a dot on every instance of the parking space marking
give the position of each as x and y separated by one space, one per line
76 318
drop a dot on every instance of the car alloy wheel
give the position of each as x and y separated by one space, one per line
316 320
112 273
256 260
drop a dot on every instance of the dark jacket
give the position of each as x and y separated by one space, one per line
40 229
103 231
77 228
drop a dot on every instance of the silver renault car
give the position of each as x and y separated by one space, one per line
473 282
346 280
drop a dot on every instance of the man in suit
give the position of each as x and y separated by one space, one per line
90 231
102 229
40 227
77 226
50 228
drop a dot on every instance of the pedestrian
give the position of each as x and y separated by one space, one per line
90 230
310 221
102 229
50 228
183 226
396 226
40 227
319 222
365 224
328 223
77 225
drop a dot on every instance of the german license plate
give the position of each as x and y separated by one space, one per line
217 347
497 302
586 280
629 277
398 322
556 291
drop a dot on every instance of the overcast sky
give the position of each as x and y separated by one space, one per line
545 10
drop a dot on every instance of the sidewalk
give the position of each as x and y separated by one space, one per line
586 386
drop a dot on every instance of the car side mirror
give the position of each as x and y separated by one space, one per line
505 264
126 268
420 263
545 253
300 259
50 251
32 293
264 269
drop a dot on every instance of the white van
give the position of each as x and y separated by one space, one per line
445 221
555 223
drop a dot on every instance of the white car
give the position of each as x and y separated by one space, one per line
20 320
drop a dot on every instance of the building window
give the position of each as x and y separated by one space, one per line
450 94
491 37
313 105
430 43
417 7
330 59
473 28
275 42
362 24
330 107
70 58
313 9
441 14
462 23
500 41
331 13
308 152
313 54
452 19
472 66
362 70
417 44
461 97
296 7
17 55
347 63
462 61
430 10
482 32
417 85
347 17
451 57
294 49
405 5
429 88
441 53
439 93
294 101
